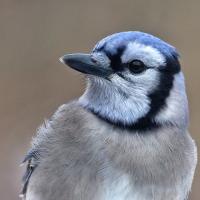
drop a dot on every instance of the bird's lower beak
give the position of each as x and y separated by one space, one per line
87 64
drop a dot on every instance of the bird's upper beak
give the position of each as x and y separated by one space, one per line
95 64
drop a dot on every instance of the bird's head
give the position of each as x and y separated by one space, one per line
134 81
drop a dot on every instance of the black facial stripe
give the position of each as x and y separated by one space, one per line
158 101
123 77
142 125
159 96
115 59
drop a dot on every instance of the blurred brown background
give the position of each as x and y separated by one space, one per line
34 34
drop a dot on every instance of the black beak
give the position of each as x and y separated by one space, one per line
87 64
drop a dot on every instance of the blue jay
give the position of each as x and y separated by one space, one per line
126 137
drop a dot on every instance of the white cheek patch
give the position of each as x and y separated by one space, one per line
148 80
117 101
149 55
176 109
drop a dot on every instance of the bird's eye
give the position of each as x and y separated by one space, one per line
137 66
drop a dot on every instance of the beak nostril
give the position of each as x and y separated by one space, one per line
94 60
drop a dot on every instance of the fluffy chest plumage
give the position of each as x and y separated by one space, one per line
107 164
148 167
118 188
122 188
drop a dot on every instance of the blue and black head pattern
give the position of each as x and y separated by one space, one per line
115 45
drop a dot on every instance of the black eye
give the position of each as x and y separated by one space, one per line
137 66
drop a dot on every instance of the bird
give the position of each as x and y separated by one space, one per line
126 137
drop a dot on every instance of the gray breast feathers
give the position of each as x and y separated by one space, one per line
76 155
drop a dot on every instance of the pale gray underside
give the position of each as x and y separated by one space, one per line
83 158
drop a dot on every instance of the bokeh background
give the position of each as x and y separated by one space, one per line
34 34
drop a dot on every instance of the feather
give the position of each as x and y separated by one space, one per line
31 159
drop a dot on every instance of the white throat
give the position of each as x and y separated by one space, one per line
127 104
113 103
176 110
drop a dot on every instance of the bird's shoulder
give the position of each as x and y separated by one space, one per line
64 127
68 120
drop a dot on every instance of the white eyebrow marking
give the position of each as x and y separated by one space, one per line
149 55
